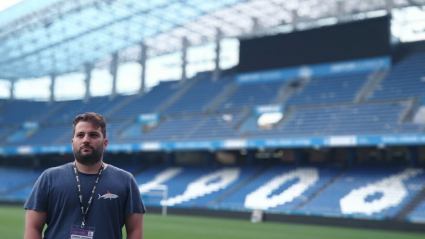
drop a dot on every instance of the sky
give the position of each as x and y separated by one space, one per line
162 68
8 3
407 25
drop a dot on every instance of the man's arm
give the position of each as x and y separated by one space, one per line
34 224
134 225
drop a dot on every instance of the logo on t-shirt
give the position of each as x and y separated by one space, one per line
108 195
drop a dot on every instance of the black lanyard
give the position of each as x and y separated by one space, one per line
80 193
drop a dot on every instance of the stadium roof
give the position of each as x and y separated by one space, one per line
66 35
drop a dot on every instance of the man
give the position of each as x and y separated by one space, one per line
86 198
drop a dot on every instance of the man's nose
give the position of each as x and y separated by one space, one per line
86 139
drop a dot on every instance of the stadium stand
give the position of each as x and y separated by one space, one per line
20 111
280 188
193 186
345 114
168 129
199 96
364 118
114 129
149 102
342 120
360 190
364 192
248 96
5 132
13 178
17 183
218 126
101 105
404 80
19 195
50 135
329 90
418 215
203 109
324 106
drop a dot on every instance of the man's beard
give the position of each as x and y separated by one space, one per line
88 159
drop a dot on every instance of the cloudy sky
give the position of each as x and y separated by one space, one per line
7 3
407 25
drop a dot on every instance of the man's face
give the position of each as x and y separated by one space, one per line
88 143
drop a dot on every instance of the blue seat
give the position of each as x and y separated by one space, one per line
404 80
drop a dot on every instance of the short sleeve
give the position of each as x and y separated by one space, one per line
38 199
134 199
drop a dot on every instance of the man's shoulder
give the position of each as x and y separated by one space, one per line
57 170
118 171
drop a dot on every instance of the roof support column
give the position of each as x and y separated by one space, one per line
142 61
389 6
87 68
12 90
255 26
113 69
295 19
341 10
52 87
217 70
185 45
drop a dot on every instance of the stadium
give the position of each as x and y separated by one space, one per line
238 118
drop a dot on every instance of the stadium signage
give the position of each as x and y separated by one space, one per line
232 144
30 125
25 150
148 118
56 149
342 140
328 141
150 146
263 109
328 69
122 147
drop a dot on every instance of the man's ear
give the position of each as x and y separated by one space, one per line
105 143
72 144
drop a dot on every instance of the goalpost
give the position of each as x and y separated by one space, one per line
159 190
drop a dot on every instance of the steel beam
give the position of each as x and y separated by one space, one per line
113 69
52 87
185 45
295 19
340 10
12 90
255 26
143 57
217 69
389 4
88 67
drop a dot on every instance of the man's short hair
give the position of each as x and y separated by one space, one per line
96 119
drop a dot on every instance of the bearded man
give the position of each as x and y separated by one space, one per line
86 198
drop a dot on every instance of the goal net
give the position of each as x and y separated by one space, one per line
154 194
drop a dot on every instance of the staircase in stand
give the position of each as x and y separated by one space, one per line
418 199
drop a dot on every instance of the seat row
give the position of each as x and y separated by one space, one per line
376 193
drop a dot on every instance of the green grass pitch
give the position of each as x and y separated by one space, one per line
12 221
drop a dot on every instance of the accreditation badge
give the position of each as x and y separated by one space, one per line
82 233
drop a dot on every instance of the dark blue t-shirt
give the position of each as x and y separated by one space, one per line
56 193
